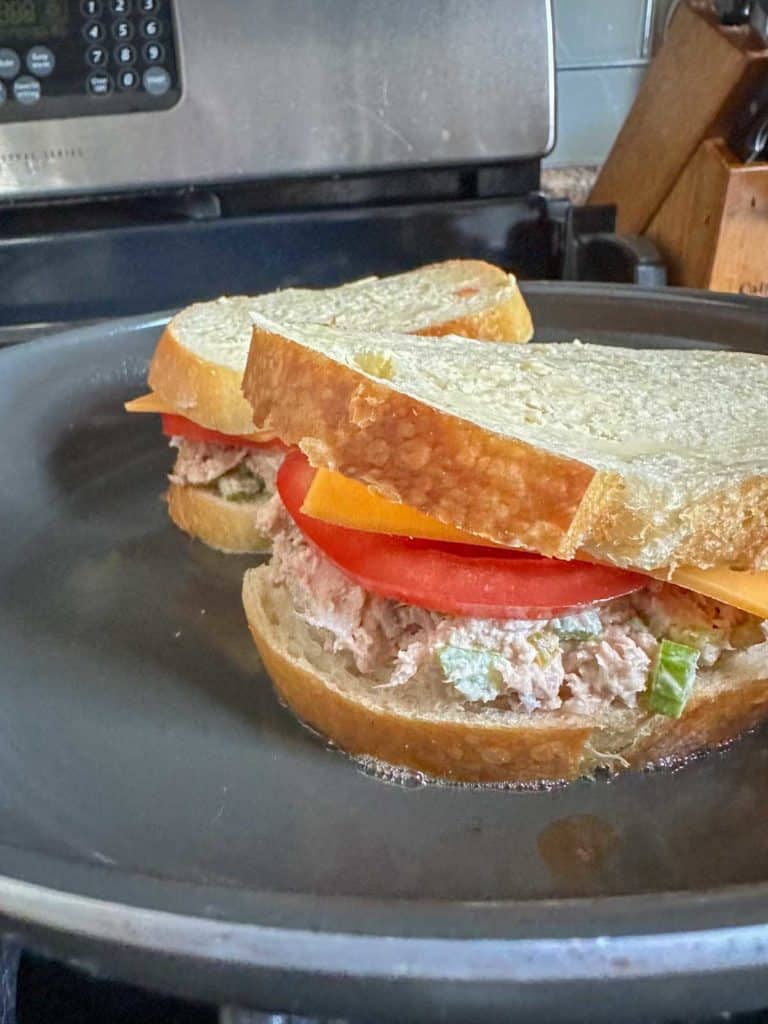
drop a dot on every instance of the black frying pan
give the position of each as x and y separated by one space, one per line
163 818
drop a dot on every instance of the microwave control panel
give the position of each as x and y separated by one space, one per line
80 58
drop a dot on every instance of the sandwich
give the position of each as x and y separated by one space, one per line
225 470
498 563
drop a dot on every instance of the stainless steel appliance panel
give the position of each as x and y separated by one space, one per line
290 87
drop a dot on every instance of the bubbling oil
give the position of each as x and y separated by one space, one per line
408 778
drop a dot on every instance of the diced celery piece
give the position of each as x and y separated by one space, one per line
546 644
474 673
585 626
672 678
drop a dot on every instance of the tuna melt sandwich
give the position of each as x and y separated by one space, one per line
225 470
512 563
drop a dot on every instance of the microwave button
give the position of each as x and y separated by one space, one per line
99 83
9 63
40 61
120 6
125 54
128 79
156 81
94 31
91 8
26 90
153 53
151 28
96 56
148 6
122 30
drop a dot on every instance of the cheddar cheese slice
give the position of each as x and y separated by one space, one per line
150 403
337 499
745 590
154 403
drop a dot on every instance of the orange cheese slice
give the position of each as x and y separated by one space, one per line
337 499
344 502
150 403
154 403
745 590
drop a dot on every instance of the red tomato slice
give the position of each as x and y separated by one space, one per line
180 426
458 579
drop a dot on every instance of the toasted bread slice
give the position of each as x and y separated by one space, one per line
644 459
228 526
199 361
453 741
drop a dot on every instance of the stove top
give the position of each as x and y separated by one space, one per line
50 993
77 262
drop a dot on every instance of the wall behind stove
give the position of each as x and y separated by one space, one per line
602 50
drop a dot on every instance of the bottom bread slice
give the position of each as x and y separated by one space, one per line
228 526
469 744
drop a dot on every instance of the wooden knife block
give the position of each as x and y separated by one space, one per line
700 78
712 228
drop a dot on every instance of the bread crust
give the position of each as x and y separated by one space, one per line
506 321
710 720
205 392
490 484
726 527
224 525
411 452
210 394
545 747
444 749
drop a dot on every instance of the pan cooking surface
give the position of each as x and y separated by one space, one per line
140 735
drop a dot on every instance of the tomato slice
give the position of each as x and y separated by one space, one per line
458 579
180 426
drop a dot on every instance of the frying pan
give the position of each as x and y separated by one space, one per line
164 819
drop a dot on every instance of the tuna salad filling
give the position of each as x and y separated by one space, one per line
235 474
598 657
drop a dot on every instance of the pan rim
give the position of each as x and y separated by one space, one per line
459 958
614 947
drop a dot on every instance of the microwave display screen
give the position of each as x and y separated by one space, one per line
33 19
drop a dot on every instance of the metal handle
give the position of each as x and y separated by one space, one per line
592 251
632 259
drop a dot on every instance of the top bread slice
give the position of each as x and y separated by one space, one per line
199 361
646 459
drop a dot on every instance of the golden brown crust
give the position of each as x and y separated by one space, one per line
445 749
225 525
710 719
411 452
506 321
489 484
205 392
210 393
550 746
448 750
728 526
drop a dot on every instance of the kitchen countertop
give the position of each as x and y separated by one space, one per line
573 182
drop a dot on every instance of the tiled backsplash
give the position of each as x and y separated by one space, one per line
603 47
